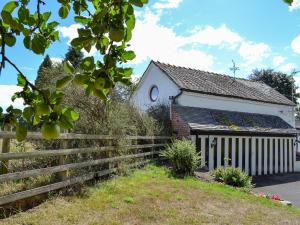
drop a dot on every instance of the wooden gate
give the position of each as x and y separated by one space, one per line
254 154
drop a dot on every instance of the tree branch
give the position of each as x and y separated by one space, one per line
33 87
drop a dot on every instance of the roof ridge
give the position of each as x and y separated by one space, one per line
205 71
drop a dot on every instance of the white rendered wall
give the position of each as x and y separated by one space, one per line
154 76
167 88
233 104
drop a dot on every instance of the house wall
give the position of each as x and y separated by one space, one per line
166 88
154 76
233 104
179 126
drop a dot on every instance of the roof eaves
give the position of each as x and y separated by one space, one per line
232 96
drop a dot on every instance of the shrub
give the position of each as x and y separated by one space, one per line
183 157
161 113
233 176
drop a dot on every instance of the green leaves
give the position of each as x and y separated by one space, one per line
43 109
21 131
288 1
128 55
116 34
10 40
67 118
63 82
27 42
68 67
10 6
88 64
63 12
38 44
138 3
21 81
106 26
71 114
81 19
50 130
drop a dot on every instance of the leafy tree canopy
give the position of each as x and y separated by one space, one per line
46 64
105 24
74 57
283 83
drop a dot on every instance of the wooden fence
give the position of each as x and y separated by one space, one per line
139 147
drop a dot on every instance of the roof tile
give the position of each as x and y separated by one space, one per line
218 84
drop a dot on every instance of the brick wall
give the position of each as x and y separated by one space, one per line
179 126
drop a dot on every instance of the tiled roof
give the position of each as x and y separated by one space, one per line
222 85
221 120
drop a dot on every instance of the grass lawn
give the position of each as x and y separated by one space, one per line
151 196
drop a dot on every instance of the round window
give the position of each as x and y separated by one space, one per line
154 93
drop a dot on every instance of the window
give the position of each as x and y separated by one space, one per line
153 93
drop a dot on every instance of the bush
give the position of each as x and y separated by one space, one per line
233 176
183 156
161 113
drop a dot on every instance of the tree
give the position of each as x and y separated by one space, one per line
106 26
283 83
288 1
74 57
46 64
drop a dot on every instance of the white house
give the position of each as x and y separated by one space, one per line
233 121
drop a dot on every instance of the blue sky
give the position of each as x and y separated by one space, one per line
194 33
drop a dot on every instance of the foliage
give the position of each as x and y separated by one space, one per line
105 25
283 83
48 77
46 64
233 176
115 116
161 113
288 1
183 156
74 57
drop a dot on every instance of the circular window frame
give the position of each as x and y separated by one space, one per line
150 93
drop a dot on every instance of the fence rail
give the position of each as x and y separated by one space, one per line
106 156
73 136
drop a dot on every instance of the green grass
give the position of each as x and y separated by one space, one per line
152 196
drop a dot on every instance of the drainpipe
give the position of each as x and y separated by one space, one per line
173 101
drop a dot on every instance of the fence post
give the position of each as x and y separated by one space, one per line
153 148
5 149
63 160
110 152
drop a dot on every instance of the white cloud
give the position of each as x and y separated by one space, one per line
221 36
297 81
253 52
278 60
27 68
167 4
295 5
6 92
70 33
296 45
56 60
287 67
152 40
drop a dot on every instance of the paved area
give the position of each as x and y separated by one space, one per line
287 186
